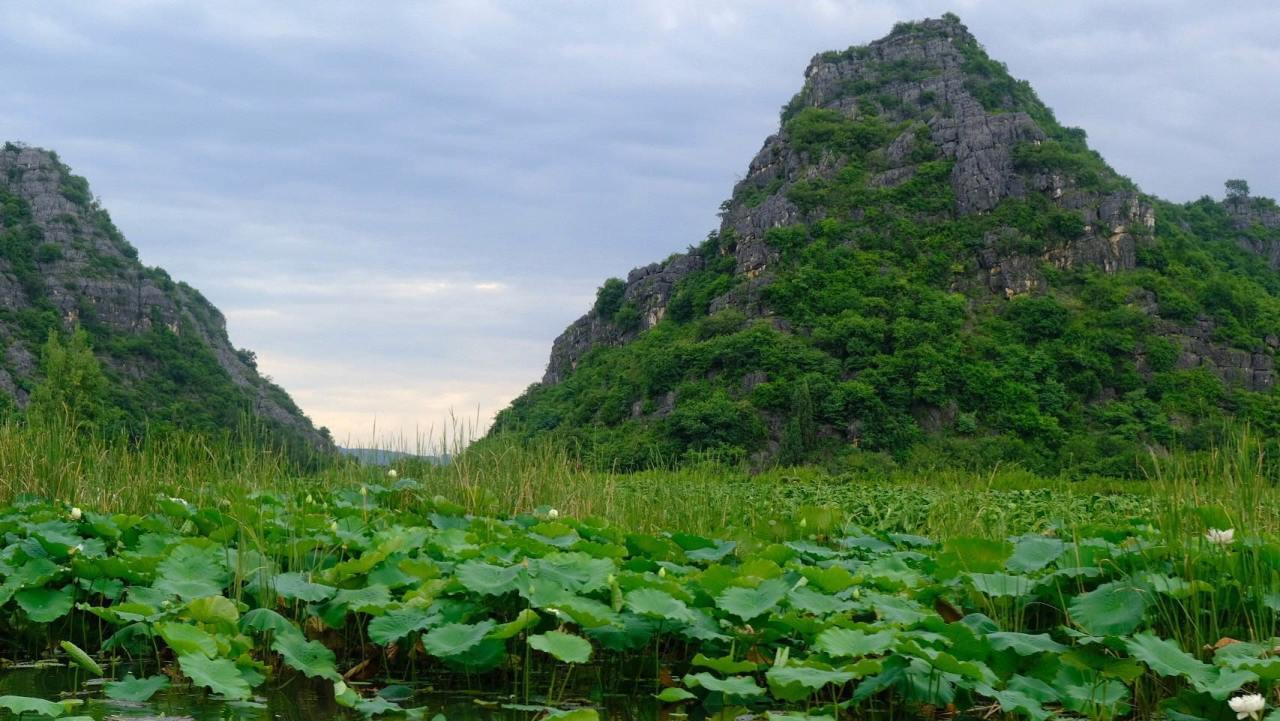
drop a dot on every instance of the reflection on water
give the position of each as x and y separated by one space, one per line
299 700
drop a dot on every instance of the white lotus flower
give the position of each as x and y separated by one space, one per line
364 490
1219 537
333 526
75 549
76 513
1249 705
393 473
553 513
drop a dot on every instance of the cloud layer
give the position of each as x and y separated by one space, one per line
400 205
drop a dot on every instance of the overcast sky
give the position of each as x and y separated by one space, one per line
399 205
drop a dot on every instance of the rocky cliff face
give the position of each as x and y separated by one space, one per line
64 264
915 170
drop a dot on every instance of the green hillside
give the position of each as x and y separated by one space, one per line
923 266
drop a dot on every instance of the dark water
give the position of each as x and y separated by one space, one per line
300 700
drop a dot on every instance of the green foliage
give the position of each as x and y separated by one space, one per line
73 391
609 298
813 608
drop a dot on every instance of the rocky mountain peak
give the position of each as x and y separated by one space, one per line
922 252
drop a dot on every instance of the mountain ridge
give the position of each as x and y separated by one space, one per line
164 345
919 158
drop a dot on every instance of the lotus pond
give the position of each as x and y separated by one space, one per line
380 601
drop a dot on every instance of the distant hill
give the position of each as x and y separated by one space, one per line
379 457
923 263
162 345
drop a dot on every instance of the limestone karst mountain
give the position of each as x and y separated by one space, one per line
163 346
923 261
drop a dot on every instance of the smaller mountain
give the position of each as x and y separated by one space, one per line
163 346
381 457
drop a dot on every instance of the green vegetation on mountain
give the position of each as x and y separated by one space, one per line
924 268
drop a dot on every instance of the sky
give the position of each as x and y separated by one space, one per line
399 205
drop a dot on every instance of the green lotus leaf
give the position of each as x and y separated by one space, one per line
453 639
815 602
586 612
731 686
854 643
26 704
395 625
657 604
1032 553
45 605
749 603
1001 585
526 619
564 646
191 572
1024 644
487 579
137 690
261 620
216 674
724 665
370 599
215 610
186 639
311 658
297 587
575 572
674 694
795 683
1115 608
577 714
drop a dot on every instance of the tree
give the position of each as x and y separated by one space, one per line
1237 189
73 392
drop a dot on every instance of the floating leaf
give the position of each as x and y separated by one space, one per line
26 704
732 686
674 694
136 689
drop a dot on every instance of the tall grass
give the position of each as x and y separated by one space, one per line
112 475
